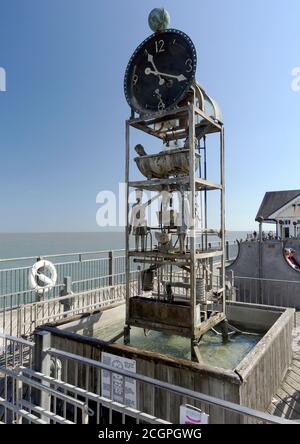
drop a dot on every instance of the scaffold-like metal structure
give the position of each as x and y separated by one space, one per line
182 290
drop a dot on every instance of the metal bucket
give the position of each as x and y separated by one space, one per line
174 162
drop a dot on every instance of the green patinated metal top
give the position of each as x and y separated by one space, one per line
159 19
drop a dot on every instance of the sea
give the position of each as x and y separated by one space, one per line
15 245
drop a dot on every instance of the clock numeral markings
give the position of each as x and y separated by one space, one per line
189 65
161 105
135 79
159 46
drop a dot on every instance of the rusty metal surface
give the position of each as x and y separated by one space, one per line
173 162
147 309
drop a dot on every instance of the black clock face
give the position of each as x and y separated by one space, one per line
160 72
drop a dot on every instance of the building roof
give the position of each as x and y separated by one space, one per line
274 200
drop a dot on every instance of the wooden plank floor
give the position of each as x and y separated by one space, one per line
286 402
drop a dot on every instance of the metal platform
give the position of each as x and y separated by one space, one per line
174 184
146 123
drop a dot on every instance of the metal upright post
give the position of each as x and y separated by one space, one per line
43 365
205 193
227 251
67 290
111 270
260 246
191 113
222 177
260 232
127 263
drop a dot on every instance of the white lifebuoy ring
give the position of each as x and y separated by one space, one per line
35 276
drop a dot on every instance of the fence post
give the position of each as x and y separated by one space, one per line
232 289
19 317
67 290
42 363
19 397
139 280
111 268
227 251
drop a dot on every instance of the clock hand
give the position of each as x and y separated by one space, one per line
180 78
150 59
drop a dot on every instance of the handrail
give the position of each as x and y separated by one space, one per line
84 253
44 387
80 253
18 340
266 279
227 405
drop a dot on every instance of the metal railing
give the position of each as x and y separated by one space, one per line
31 397
15 351
30 316
23 320
276 292
78 273
69 392
20 404
80 267
72 365
67 404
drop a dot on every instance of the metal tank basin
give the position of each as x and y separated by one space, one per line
172 162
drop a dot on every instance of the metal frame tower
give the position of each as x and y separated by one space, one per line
198 313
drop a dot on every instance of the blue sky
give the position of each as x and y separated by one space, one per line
62 117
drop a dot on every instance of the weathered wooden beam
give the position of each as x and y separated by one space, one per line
196 355
206 184
159 254
176 256
208 253
159 263
211 322
116 337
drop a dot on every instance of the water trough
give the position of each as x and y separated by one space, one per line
249 379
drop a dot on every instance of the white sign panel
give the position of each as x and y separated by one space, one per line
192 415
117 387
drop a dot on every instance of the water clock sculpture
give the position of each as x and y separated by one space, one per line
174 281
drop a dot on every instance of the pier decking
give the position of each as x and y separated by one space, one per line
286 402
